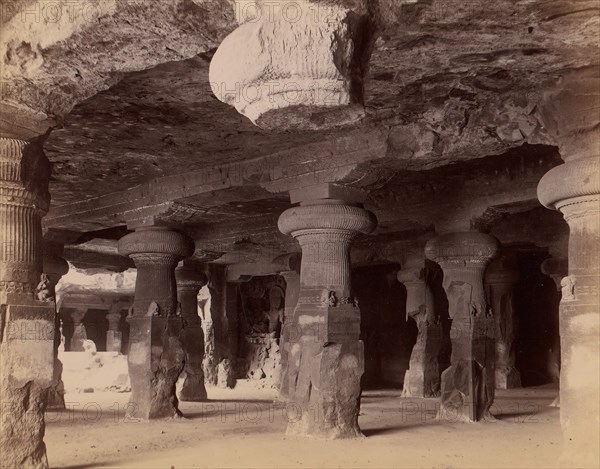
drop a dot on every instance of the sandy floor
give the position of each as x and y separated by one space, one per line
243 428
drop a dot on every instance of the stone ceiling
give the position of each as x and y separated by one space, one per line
139 132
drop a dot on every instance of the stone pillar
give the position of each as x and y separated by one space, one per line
326 359
156 356
292 292
422 379
55 267
189 283
556 268
500 278
467 390
114 335
79 333
574 189
569 113
27 313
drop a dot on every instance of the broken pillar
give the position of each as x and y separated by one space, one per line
292 291
325 361
189 283
294 64
156 355
500 279
422 379
556 268
114 335
467 387
55 267
27 308
79 334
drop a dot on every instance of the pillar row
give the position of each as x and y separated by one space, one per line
156 356
422 379
500 279
467 388
27 314
325 359
189 283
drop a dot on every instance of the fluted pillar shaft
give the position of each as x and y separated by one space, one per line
467 390
325 358
574 189
189 283
27 316
422 379
156 356
500 278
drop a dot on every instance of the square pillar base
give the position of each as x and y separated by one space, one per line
26 374
156 359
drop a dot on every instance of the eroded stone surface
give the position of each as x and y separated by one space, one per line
467 388
277 84
325 356
422 379
189 283
500 277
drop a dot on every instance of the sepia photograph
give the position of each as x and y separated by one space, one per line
284 234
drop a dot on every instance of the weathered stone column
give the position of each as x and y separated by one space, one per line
570 114
574 189
79 332
27 316
55 267
326 358
114 335
292 292
467 390
422 379
156 356
500 278
556 268
189 283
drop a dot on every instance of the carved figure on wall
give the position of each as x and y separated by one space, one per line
329 298
568 288
42 291
153 309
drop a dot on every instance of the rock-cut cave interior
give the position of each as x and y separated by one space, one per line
299 233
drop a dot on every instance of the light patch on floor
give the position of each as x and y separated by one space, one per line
244 427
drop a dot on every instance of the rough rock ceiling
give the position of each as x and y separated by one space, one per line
448 81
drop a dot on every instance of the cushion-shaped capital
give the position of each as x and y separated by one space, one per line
468 246
327 216
156 240
576 178
190 279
